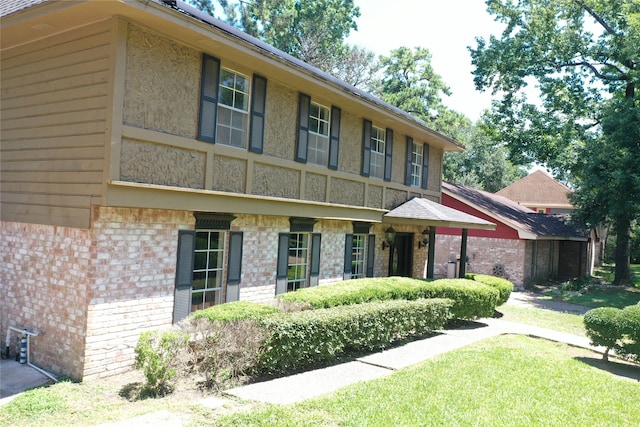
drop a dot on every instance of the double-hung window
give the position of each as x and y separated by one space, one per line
358 256
377 151
209 265
359 252
298 263
233 109
232 106
417 164
208 269
318 133
318 149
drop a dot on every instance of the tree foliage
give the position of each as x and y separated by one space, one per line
310 30
582 56
483 165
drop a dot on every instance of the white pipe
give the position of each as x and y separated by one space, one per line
28 334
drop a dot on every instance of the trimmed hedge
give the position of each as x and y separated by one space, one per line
615 329
503 286
472 299
235 311
306 338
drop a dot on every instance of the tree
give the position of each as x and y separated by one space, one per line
410 83
310 30
484 164
580 54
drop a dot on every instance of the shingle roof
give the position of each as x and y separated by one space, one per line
537 189
516 215
8 7
425 212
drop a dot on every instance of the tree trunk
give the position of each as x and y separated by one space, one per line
623 251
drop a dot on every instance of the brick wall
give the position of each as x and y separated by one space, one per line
132 277
483 253
43 271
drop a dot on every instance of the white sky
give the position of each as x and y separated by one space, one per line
445 27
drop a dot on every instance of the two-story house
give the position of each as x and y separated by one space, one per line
156 161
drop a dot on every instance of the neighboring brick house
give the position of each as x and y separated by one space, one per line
156 161
525 246
540 192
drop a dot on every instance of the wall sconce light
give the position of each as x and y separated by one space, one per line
390 235
424 239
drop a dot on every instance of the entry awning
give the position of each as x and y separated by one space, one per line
424 212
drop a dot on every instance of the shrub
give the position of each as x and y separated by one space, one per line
629 344
309 337
160 354
503 286
234 311
471 299
224 350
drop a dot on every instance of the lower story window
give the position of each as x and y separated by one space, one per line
208 270
358 256
298 264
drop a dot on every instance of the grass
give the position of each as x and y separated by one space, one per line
563 322
604 296
507 380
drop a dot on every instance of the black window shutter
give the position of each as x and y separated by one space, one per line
184 274
283 263
425 166
366 147
304 105
208 98
314 268
407 174
348 256
371 254
258 106
234 270
334 142
388 155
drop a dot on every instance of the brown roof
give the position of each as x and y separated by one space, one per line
527 222
8 7
425 212
537 189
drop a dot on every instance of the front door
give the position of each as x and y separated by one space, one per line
401 255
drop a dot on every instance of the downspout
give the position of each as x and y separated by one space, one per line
28 335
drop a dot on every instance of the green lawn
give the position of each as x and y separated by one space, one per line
506 380
605 296
563 322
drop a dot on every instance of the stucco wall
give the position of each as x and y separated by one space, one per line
162 84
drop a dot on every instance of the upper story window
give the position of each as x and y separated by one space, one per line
377 151
232 106
233 109
417 164
318 149
318 133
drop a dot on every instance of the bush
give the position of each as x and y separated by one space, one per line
503 286
234 311
615 329
310 337
224 350
160 354
630 331
471 299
